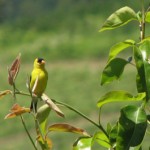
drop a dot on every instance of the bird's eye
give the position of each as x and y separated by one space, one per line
39 60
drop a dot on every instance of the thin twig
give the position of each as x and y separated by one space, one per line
14 91
28 132
99 116
22 93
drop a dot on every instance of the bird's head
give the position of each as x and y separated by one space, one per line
39 63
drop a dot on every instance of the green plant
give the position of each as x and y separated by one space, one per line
130 129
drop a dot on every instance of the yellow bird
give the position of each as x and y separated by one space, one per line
38 81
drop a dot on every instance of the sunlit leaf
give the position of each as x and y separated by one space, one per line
46 143
62 127
13 70
83 143
119 18
17 110
115 96
119 47
144 48
42 117
3 93
140 78
141 56
132 127
147 18
102 139
52 105
139 147
139 16
113 70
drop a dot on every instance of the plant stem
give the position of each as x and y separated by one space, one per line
28 133
99 116
14 91
142 23
82 115
22 93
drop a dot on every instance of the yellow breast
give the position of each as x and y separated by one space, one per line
39 76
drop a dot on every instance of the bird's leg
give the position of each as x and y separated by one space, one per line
34 103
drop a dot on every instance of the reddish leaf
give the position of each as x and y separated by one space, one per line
13 70
3 93
62 127
52 105
17 110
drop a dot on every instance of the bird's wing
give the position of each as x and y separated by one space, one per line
35 84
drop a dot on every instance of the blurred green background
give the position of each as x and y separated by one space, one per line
65 33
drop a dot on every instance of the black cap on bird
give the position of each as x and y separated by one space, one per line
40 60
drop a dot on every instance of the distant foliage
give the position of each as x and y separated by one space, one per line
48 14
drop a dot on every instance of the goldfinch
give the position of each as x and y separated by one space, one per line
38 81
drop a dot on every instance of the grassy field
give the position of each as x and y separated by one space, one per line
74 82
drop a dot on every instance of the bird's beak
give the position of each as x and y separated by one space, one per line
43 62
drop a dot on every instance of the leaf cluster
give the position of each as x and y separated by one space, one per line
130 129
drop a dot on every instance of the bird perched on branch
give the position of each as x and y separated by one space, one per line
38 81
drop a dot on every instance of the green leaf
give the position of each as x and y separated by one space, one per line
120 96
145 47
119 18
139 16
119 47
42 117
109 127
147 18
113 134
141 56
131 128
140 78
113 70
83 143
136 148
102 139
145 39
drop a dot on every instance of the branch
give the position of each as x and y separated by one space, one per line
82 115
